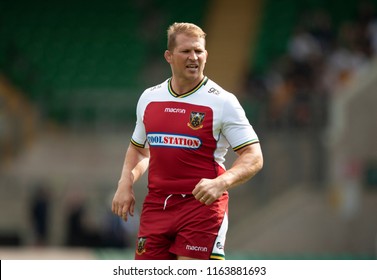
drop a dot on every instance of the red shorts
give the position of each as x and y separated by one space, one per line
179 225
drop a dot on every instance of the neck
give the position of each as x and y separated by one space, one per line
183 86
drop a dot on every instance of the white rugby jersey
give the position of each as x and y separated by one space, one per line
189 135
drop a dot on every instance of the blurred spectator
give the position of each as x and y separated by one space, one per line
372 34
113 234
79 234
40 210
321 28
303 46
75 229
319 61
346 59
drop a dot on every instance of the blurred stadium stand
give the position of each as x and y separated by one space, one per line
280 18
71 73
73 58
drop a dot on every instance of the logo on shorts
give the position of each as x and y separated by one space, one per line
196 120
219 246
141 245
196 248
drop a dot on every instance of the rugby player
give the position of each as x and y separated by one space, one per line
184 128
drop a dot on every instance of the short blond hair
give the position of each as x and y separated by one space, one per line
189 29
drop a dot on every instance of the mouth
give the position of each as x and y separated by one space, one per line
192 67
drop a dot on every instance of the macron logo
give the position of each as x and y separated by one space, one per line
175 110
196 248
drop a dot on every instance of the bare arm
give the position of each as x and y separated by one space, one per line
248 163
135 164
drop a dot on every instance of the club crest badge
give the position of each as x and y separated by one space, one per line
196 120
141 245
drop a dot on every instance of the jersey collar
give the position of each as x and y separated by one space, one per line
171 91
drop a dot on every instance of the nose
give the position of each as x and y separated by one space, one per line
193 56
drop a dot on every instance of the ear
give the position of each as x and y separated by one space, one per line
168 56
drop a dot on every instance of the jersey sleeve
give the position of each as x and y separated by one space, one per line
236 127
139 135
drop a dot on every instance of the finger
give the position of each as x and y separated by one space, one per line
132 208
205 200
198 194
116 209
197 189
121 210
209 201
125 216
198 197
114 206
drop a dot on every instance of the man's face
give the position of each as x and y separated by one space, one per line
188 58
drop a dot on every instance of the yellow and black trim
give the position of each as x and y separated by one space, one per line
245 144
198 86
217 257
136 144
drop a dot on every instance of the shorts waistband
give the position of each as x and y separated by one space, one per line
169 196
